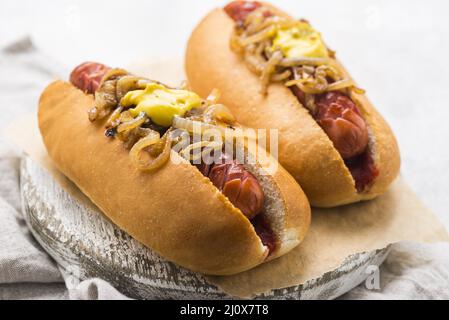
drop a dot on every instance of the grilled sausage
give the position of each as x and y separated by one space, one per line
342 121
237 184
239 10
87 76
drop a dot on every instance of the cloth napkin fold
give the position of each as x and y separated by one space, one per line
412 271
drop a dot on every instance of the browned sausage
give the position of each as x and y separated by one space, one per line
238 184
239 10
87 76
342 121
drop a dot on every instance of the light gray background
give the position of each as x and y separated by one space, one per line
398 50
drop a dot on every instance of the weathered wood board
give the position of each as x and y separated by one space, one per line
83 241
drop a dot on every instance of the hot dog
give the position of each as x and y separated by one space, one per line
115 136
276 72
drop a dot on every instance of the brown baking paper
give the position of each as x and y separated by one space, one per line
338 233
334 235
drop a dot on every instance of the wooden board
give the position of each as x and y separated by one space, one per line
84 242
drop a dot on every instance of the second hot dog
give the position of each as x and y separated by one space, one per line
277 72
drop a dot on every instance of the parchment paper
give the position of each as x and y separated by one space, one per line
334 234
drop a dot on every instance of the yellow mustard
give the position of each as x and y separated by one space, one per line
300 41
160 103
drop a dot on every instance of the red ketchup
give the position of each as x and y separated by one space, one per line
264 232
363 170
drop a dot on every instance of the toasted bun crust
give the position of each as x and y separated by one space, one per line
304 148
176 211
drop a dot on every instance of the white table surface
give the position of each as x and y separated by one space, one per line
398 50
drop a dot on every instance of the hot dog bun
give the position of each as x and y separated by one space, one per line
175 211
304 148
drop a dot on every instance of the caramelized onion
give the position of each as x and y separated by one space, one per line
106 95
128 83
281 76
132 124
357 90
114 119
204 148
258 37
105 100
292 62
255 63
227 132
270 69
305 86
218 112
261 24
154 163
342 84
113 74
